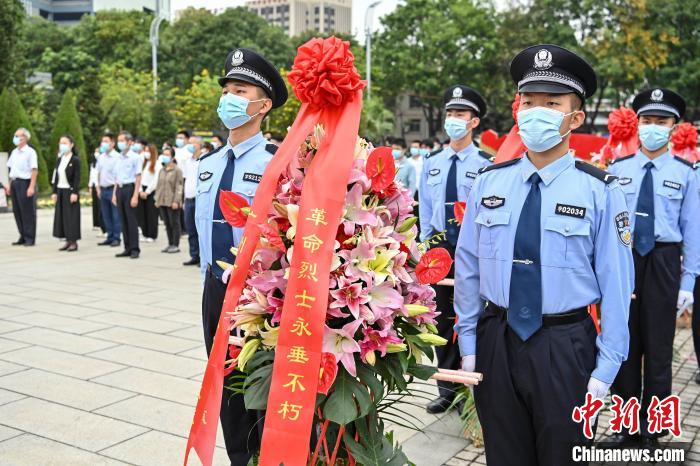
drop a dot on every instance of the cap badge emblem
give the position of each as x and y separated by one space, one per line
543 60
457 93
657 95
237 58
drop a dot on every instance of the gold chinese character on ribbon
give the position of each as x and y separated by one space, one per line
297 354
294 382
312 242
318 216
301 327
304 297
289 411
308 270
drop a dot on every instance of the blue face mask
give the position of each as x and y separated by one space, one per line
137 147
396 153
424 152
233 110
179 142
104 147
415 151
121 146
16 140
654 137
63 148
164 159
456 128
190 148
539 128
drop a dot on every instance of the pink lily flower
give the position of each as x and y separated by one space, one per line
341 343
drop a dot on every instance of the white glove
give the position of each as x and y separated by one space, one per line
685 299
469 363
598 388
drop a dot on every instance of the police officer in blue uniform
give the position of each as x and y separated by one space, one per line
543 237
662 194
447 177
251 88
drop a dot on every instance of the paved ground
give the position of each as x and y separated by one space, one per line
101 358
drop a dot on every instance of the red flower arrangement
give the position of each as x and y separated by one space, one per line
684 141
434 265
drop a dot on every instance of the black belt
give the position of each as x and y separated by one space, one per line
551 320
111 186
659 244
126 185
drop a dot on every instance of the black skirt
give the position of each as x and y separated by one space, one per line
66 220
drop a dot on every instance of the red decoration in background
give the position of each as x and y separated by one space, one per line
234 207
511 146
233 352
514 108
460 207
380 168
684 141
623 140
433 266
328 372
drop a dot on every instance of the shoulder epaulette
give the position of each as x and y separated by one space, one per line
622 158
435 152
685 162
595 172
271 148
487 156
210 153
496 166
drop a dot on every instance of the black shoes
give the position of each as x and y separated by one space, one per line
192 261
697 378
27 244
72 247
115 243
19 242
438 405
65 247
105 243
620 441
134 254
123 254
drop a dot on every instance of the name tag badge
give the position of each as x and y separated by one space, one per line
570 211
434 171
624 181
672 185
204 176
471 175
252 177
493 202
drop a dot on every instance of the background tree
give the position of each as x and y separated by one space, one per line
16 117
162 124
89 109
67 121
377 122
11 17
126 98
281 119
196 107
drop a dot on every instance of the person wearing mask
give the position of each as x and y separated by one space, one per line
66 194
190 190
127 171
138 147
97 221
207 147
544 236
106 179
147 212
251 88
217 141
662 191
448 175
168 197
182 139
24 166
405 173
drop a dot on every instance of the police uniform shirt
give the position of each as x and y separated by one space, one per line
22 162
406 175
676 204
127 168
251 160
432 188
106 165
585 250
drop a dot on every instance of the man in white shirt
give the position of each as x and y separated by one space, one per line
106 179
24 166
182 152
190 170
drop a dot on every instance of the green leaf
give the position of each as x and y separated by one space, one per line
257 388
373 448
349 400
368 377
421 371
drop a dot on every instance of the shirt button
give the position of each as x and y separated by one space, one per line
488 221
567 229
250 192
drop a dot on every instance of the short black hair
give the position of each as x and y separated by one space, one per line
109 135
127 135
401 142
141 140
184 133
427 142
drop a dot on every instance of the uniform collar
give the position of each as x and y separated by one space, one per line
548 173
658 162
241 148
463 154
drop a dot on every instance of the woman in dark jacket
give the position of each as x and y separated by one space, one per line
66 188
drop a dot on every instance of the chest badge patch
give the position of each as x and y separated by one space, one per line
570 210
624 181
493 202
204 176
471 175
252 177
672 185
624 231
434 171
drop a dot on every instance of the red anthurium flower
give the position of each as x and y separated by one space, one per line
434 266
380 168
234 207
329 369
460 207
233 352
273 236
